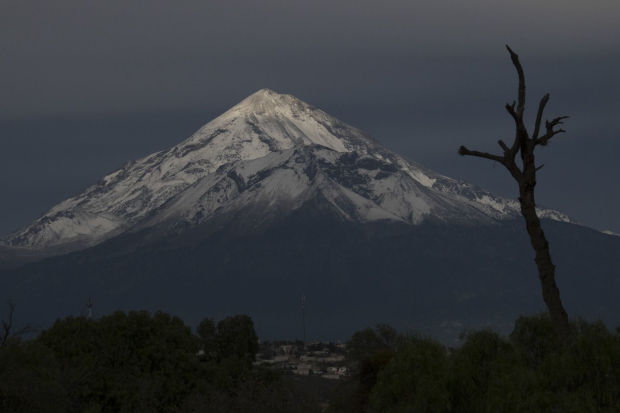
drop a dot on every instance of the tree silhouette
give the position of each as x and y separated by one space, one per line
9 329
524 145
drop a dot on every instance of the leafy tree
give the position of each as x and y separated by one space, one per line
138 362
207 332
524 145
585 374
368 374
534 338
486 372
237 338
387 334
206 329
368 352
526 372
414 380
365 343
124 362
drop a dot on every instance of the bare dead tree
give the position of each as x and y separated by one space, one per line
524 145
9 328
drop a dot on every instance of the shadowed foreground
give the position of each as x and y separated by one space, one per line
139 362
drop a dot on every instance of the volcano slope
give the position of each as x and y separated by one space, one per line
275 199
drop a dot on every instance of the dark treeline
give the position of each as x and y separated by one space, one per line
525 372
138 362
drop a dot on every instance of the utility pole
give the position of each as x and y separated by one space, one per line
90 306
303 309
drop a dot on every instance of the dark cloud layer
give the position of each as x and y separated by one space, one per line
86 86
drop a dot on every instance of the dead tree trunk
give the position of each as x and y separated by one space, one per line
526 178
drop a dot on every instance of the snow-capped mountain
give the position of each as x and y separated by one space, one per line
269 154
274 199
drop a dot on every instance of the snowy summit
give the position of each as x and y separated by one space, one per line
269 154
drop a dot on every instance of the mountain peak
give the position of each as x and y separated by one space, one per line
264 123
263 94
266 91
267 102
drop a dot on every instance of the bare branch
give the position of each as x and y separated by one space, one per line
556 121
540 167
7 325
543 140
541 109
9 329
515 61
503 145
511 109
463 151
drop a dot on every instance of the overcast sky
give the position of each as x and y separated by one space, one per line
87 86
